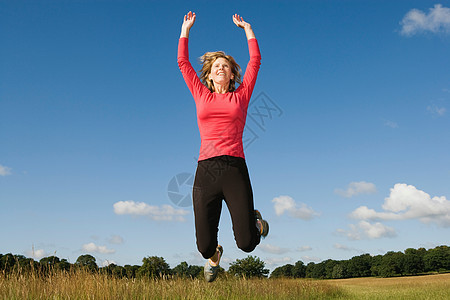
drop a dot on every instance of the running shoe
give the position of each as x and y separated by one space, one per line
263 226
211 271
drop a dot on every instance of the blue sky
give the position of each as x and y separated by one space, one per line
347 139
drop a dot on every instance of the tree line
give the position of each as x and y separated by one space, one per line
410 262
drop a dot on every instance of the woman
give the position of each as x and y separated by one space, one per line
222 172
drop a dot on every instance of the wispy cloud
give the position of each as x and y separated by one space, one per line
36 253
304 248
341 247
108 262
307 259
116 239
367 230
285 204
93 248
357 188
157 213
391 124
437 20
436 110
5 171
345 248
406 202
272 249
275 261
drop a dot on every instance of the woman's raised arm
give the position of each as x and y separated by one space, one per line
188 21
239 21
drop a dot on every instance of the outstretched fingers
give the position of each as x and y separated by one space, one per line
239 21
189 19
188 22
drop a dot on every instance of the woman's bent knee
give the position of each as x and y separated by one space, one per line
248 246
207 251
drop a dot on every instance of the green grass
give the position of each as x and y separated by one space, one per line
84 285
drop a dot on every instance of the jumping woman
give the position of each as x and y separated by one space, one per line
221 171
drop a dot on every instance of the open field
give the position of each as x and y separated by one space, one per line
413 287
84 285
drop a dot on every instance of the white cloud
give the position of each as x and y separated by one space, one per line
275 261
366 230
390 124
272 249
284 204
307 259
4 171
163 213
91 247
108 262
436 111
345 248
116 239
36 253
304 248
406 202
341 247
357 188
416 21
193 258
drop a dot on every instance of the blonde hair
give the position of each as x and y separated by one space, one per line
207 61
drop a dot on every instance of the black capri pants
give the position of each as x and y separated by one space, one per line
223 178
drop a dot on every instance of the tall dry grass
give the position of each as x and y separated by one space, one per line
82 284
79 284
433 287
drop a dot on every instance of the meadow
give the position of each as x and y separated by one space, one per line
79 284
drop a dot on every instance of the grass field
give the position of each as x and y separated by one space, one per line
413 287
84 285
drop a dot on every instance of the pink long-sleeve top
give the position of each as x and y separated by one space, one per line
220 117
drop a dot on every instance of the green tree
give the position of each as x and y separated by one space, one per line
299 270
437 259
197 271
64 265
87 261
314 270
391 264
131 271
309 269
181 270
359 266
114 270
413 262
248 267
23 263
376 265
283 271
329 267
154 267
7 262
49 263
338 271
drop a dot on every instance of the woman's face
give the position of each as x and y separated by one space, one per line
221 71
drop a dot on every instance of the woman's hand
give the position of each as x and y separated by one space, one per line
188 22
239 21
